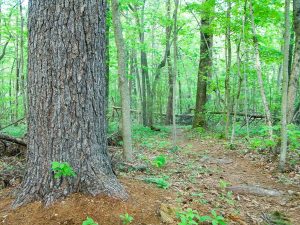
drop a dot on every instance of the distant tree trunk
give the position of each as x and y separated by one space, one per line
67 101
285 80
204 72
162 63
169 113
123 82
259 74
228 70
22 75
138 87
144 63
174 134
294 78
240 78
17 85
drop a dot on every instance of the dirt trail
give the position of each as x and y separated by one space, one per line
198 171
234 168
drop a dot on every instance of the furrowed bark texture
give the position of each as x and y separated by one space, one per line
67 89
294 78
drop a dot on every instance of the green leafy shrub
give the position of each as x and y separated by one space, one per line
188 217
191 217
160 182
223 184
89 221
62 170
159 161
214 218
126 218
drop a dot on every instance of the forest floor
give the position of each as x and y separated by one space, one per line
202 174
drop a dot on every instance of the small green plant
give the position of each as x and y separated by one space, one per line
223 184
200 197
215 219
62 170
160 182
188 217
126 218
89 221
229 198
191 217
159 161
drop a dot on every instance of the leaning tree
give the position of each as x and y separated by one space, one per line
67 89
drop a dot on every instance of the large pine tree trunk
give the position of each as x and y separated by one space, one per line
293 83
67 89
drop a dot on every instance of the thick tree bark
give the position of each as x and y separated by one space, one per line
204 72
259 74
66 80
285 80
294 78
123 82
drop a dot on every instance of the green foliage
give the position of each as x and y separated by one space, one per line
160 182
16 131
188 217
228 198
89 221
159 161
62 170
215 219
223 184
126 218
191 217
294 138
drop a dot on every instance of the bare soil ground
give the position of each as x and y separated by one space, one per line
200 172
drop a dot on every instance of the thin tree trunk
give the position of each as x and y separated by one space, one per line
259 74
285 80
17 85
123 82
175 74
240 78
228 70
294 78
67 101
22 75
162 63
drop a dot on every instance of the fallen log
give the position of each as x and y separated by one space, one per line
12 139
2 128
255 190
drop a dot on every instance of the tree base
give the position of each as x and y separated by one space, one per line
91 186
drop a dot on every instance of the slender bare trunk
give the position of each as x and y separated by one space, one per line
285 80
123 82
259 74
228 70
175 74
